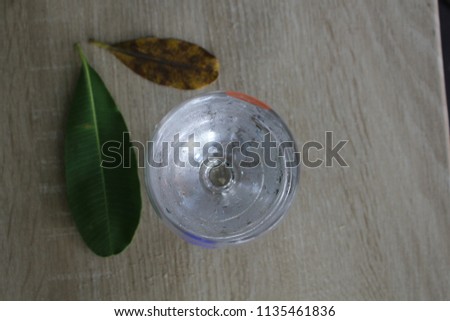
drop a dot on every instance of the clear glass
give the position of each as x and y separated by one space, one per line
209 193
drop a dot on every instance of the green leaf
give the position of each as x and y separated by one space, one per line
105 202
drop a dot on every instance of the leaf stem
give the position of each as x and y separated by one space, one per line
80 51
99 44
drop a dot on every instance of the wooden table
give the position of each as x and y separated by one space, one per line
369 71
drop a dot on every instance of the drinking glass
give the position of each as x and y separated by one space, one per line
221 169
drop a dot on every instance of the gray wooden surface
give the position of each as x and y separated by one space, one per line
370 71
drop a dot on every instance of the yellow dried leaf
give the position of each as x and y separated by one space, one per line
170 62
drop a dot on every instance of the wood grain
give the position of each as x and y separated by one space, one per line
370 71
